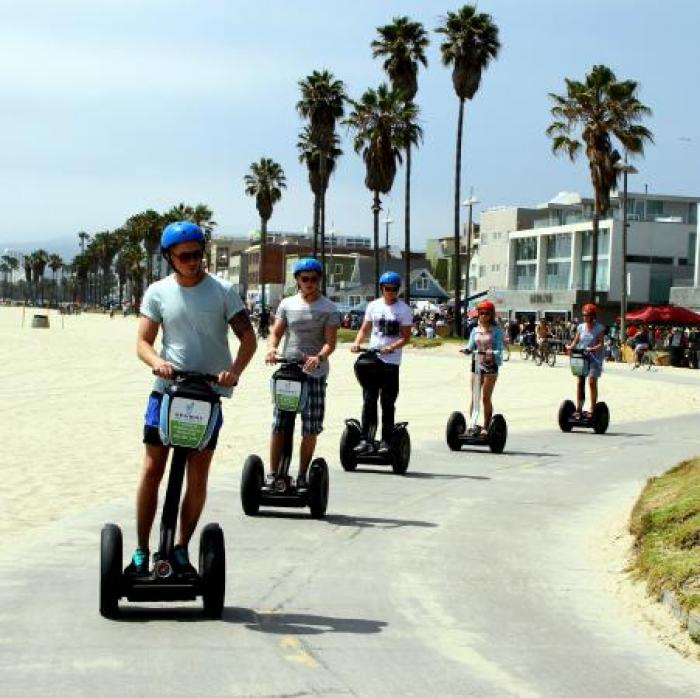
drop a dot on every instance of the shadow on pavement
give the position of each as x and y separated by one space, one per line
146 614
424 476
374 522
531 454
300 623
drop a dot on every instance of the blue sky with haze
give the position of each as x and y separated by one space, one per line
114 106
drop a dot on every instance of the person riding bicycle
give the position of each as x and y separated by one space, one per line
309 323
194 310
389 320
543 334
642 340
486 342
589 337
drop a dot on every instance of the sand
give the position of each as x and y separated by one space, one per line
72 399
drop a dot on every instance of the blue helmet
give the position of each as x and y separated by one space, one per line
182 231
390 278
307 264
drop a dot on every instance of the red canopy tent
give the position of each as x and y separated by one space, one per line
665 315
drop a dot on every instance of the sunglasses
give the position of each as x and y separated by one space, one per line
392 289
185 257
308 279
588 315
484 312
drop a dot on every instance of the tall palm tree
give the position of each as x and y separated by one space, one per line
402 44
40 258
601 108
5 271
28 264
470 44
310 155
202 215
379 122
84 239
323 104
104 246
265 182
129 268
147 226
12 264
55 264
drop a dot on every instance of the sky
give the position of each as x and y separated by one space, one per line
110 107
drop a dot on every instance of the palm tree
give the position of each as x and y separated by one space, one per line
471 43
40 258
322 103
146 227
202 215
12 264
84 238
5 271
265 182
28 264
55 264
129 268
310 155
601 107
380 123
402 44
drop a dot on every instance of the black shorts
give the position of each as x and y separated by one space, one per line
486 370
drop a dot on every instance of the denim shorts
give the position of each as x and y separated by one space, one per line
151 420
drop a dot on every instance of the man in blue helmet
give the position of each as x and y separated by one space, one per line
309 323
389 320
195 311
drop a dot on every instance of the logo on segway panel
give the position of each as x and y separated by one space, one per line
163 569
188 421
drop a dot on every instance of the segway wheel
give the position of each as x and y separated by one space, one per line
212 569
348 441
110 570
498 434
456 426
601 418
318 488
251 483
566 412
400 451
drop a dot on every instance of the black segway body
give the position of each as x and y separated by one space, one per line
599 419
189 413
288 387
369 372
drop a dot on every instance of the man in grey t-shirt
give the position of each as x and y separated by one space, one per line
309 322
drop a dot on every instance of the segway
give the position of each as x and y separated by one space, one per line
599 419
188 415
458 433
369 370
289 391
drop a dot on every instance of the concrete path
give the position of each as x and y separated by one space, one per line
468 576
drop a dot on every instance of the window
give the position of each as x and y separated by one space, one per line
557 275
601 282
525 249
558 246
483 238
603 243
338 269
525 277
655 208
422 283
354 300
482 270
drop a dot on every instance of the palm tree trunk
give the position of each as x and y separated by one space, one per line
317 216
261 270
376 208
457 331
407 229
594 255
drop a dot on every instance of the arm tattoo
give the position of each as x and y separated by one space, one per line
240 323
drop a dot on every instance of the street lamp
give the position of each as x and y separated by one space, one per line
387 222
469 203
625 169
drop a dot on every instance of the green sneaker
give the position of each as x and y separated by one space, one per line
181 561
139 562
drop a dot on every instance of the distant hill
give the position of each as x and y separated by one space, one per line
66 247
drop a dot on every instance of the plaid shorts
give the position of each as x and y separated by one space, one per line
313 412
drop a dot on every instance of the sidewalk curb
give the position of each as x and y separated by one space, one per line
689 619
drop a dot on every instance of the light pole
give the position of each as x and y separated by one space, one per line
625 169
387 222
469 203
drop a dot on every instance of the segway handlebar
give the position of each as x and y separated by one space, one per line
184 375
289 362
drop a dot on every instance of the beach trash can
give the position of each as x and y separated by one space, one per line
40 321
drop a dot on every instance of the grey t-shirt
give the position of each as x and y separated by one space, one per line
306 324
194 321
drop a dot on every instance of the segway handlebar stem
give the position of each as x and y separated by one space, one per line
183 375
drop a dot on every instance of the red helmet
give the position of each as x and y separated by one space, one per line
590 309
488 306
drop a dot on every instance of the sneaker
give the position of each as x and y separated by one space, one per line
181 561
384 448
139 562
302 484
363 448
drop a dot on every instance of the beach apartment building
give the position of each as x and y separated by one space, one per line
538 260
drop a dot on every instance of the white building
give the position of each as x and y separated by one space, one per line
539 259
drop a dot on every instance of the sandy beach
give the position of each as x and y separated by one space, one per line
73 398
